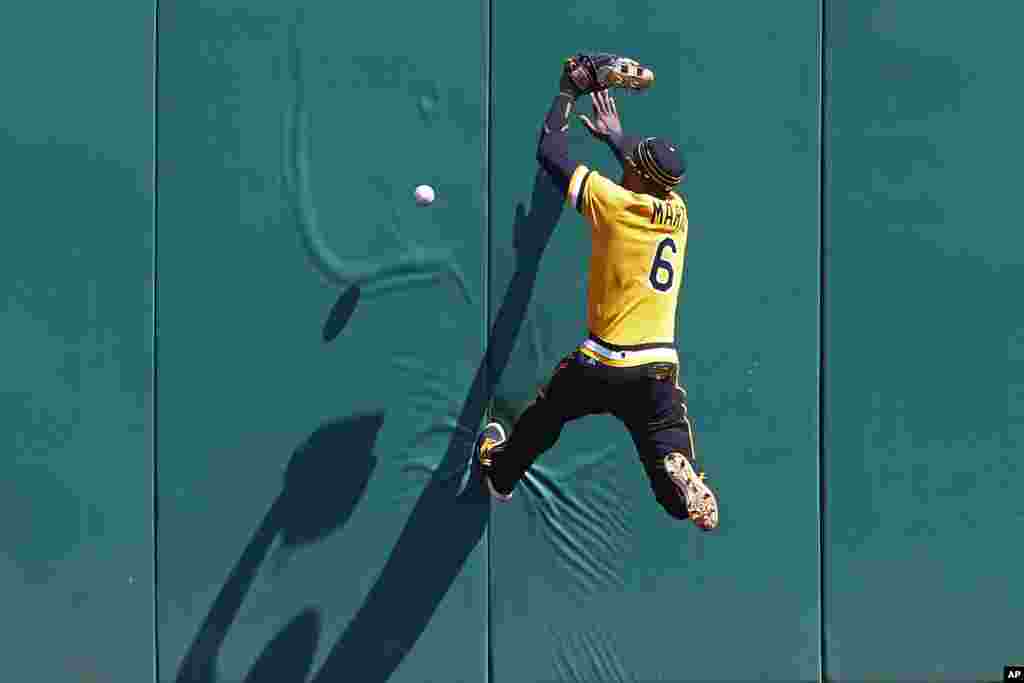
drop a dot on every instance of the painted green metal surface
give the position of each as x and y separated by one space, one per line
76 499
327 350
590 579
320 336
925 346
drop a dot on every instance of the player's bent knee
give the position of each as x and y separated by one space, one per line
677 419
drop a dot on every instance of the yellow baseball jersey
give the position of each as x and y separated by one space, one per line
638 248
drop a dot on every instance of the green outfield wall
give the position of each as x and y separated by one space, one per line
244 371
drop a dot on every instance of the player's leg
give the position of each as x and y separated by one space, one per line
568 395
655 413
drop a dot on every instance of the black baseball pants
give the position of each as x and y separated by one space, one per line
646 399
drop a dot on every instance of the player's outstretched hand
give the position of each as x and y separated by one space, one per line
606 123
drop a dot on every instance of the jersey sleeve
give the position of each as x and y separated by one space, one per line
593 195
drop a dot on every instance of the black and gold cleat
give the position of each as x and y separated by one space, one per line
600 71
701 502
492 435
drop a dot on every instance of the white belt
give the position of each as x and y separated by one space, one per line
663 354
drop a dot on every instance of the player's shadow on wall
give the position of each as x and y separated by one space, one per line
324 481
443 527
322 489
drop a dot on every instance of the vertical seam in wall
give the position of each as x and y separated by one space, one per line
155 341
488 376
822 330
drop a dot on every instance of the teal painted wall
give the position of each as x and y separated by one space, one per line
320 343
925 346
590 576
326 350
76 319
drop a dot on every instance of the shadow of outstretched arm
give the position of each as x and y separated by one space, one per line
444 526
331 469
289 656
321 490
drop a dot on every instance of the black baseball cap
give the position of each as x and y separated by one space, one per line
660 160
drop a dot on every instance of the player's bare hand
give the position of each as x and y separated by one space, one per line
606 122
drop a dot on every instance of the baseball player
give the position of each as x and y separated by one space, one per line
627 366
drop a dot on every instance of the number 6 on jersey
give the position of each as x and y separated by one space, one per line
665 280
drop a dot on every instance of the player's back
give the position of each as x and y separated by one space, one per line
637 259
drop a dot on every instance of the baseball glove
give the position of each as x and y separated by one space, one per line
600 71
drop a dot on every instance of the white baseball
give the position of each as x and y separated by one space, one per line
424 195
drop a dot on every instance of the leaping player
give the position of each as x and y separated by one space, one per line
628 365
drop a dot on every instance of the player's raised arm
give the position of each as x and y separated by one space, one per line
607 125
553 148
588 74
